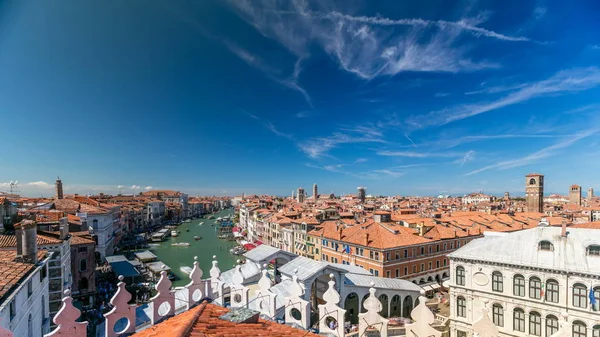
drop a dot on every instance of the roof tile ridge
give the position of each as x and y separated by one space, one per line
187 329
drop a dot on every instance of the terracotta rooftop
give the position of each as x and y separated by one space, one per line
204 321
12 272
10 241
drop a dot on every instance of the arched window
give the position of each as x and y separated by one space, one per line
519 320
461 307
552 291
497 284
498 314
579 329
532 181
596 331
580 296
95 224
546 245
535 323
519 285
535 288
460 276
593 250
551 325
596 306
83 265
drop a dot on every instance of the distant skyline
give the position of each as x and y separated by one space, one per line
264 96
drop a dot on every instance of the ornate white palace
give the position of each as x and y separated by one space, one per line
534 282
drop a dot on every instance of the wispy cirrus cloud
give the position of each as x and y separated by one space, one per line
360 160
319 146
276 131
546 152
566 81
370 46
148 188
418 154
468 156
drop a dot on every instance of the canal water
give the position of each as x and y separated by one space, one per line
176 257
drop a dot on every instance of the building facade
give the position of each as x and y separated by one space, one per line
528 280
534 192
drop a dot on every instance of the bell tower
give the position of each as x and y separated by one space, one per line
534 192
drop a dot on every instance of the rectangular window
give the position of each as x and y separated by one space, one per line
461 333
371 254
29 288
387 256
498 315
377 273
388 273
405 271
552 292
457 244
445 246
535 325
461 307
429 249
535 288
460 276
451 245
519 320
437 247
406 253
437 264
13 309
371 270
414 252
397 256
397 272
497 284
414 268
422 266
429 266
580 296
377 256
422 250
323 257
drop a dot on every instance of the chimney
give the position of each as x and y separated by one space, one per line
341 229
421 229
26 235
366 239
563 231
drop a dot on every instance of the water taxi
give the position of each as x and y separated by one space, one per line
181 244
185 269
196 237
174 233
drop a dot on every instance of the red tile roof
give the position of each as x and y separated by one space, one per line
12 272
204 321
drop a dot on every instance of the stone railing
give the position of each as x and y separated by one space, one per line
123 320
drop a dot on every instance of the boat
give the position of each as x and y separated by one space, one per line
187 220
185 269
174 233
201 223
197 237
187 230
239 250
181 244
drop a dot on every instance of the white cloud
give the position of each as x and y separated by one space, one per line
120 186
538 155
572 80
5 184
276 131
360 160
148 188
390 173
415 154
539 12
368 46
469 156
41 184
136 187
318 147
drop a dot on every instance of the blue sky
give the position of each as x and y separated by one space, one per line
225 97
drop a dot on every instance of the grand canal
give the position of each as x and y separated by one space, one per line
176 257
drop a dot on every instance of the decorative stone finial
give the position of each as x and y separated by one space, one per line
372 284
67 292
422 292
120 278
214 257
196 258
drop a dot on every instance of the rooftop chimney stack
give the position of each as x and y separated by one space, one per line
26 235
563 231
